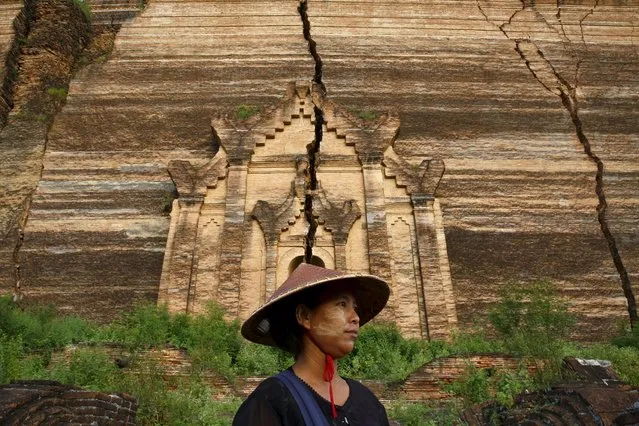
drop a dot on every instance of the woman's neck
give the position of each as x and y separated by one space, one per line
309 364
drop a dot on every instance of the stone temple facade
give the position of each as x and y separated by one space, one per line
463 145
238 227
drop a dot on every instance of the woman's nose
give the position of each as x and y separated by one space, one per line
354 316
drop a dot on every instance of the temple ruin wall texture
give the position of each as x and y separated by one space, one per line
459 146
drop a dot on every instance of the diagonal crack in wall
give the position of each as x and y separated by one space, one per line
553 81
313 148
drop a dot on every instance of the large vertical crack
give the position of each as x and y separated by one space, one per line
570 103
552 80
313 148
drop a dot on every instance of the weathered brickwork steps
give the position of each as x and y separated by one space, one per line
105 181
8 13
518 193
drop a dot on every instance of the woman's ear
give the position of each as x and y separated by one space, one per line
303 316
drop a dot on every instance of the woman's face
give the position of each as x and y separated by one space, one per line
334 324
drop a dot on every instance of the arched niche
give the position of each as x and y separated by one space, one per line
289 257
297 261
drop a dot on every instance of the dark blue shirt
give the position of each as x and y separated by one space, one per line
271 404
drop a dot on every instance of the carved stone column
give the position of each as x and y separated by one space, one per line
274 219
376 226
175 291
232 239
433 289
177 284
421 183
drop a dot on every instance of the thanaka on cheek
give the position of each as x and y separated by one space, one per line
332 322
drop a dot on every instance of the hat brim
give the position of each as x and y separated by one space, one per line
371 294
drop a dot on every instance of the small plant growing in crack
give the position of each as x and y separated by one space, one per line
57 93
244 112
367 115
85 8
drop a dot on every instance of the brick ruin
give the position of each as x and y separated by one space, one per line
27 403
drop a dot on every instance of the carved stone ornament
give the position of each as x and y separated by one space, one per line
240 136
337 220
192 182
422 179
370 138
274 218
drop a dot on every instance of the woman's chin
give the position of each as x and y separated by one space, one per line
343 351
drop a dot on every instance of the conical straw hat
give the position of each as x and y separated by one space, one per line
370 292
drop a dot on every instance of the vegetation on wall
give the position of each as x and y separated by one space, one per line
244 112
85 8
529 321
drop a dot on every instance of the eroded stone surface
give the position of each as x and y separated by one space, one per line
11 28
518 196
45 52
99 220
475 84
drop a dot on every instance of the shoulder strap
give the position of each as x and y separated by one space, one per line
307 404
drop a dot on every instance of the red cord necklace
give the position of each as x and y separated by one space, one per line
329 372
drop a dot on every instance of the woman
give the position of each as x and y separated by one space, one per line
315 314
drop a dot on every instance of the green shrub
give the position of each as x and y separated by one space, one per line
145 326
532 321
381 352
480 385
193 404
473 387
10 358
173 401
244 112
424 414
260 360
507 385
212 342
628 337
180 330
466 343
58 94
40 328
367 115
89 368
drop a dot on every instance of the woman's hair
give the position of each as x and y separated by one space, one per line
285 330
